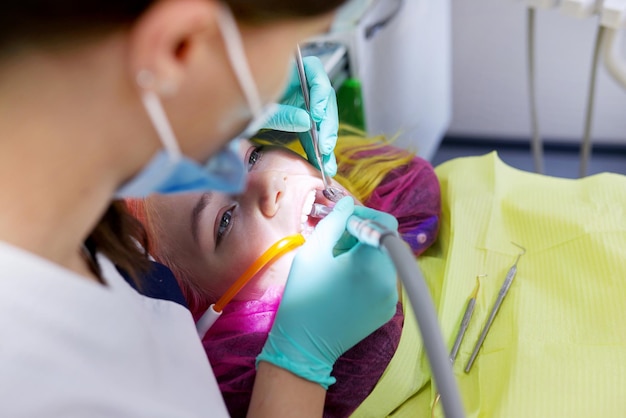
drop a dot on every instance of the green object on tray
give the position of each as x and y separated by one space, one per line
350 103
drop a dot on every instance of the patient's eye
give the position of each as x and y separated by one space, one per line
224 225
254 156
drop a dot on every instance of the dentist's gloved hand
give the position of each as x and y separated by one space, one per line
291 115
331 302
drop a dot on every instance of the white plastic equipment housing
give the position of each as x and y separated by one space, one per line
580 9
613 14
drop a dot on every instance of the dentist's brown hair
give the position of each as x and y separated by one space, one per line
63 19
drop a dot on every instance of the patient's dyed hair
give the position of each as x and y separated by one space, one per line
362 162
197 298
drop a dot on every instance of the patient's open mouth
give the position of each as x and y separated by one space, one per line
308 222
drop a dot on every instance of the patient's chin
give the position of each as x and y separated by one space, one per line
271 276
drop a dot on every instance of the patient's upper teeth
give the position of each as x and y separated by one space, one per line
308 205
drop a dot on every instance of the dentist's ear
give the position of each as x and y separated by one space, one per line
165 40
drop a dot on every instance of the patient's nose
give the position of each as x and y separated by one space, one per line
269 188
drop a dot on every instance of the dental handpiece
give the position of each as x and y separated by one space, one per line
366 231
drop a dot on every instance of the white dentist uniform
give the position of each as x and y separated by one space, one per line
70 347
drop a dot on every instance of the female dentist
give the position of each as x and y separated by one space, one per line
102 99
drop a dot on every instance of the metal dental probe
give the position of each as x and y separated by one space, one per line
331 193
465 321
504 289
469 309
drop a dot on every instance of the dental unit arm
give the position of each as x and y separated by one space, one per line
376 235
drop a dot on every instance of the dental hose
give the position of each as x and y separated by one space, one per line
424 309
537 143
372 233
585 146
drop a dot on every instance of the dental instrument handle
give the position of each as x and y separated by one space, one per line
366 231
462 328
319 211
504 289
307 103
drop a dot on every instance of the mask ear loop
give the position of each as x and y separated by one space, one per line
238 61
156 113
277 250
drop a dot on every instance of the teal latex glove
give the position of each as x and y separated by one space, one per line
291 115
331 302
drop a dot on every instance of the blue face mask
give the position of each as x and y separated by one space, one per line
170 171
224 172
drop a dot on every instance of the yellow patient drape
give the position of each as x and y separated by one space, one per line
557 348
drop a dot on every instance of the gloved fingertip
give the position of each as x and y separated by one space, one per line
386 219
313 66
318 109
300 121
327 142
344 207
345 203
330 165
330 229
288 119
326 107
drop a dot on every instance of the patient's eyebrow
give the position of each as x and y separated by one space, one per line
202 203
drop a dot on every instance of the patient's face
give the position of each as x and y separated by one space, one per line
214 237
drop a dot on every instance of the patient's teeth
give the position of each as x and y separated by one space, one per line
306 208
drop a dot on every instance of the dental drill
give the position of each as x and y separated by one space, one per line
372 233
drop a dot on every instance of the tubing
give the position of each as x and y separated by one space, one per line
376 235
585 147
537 143
419 296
